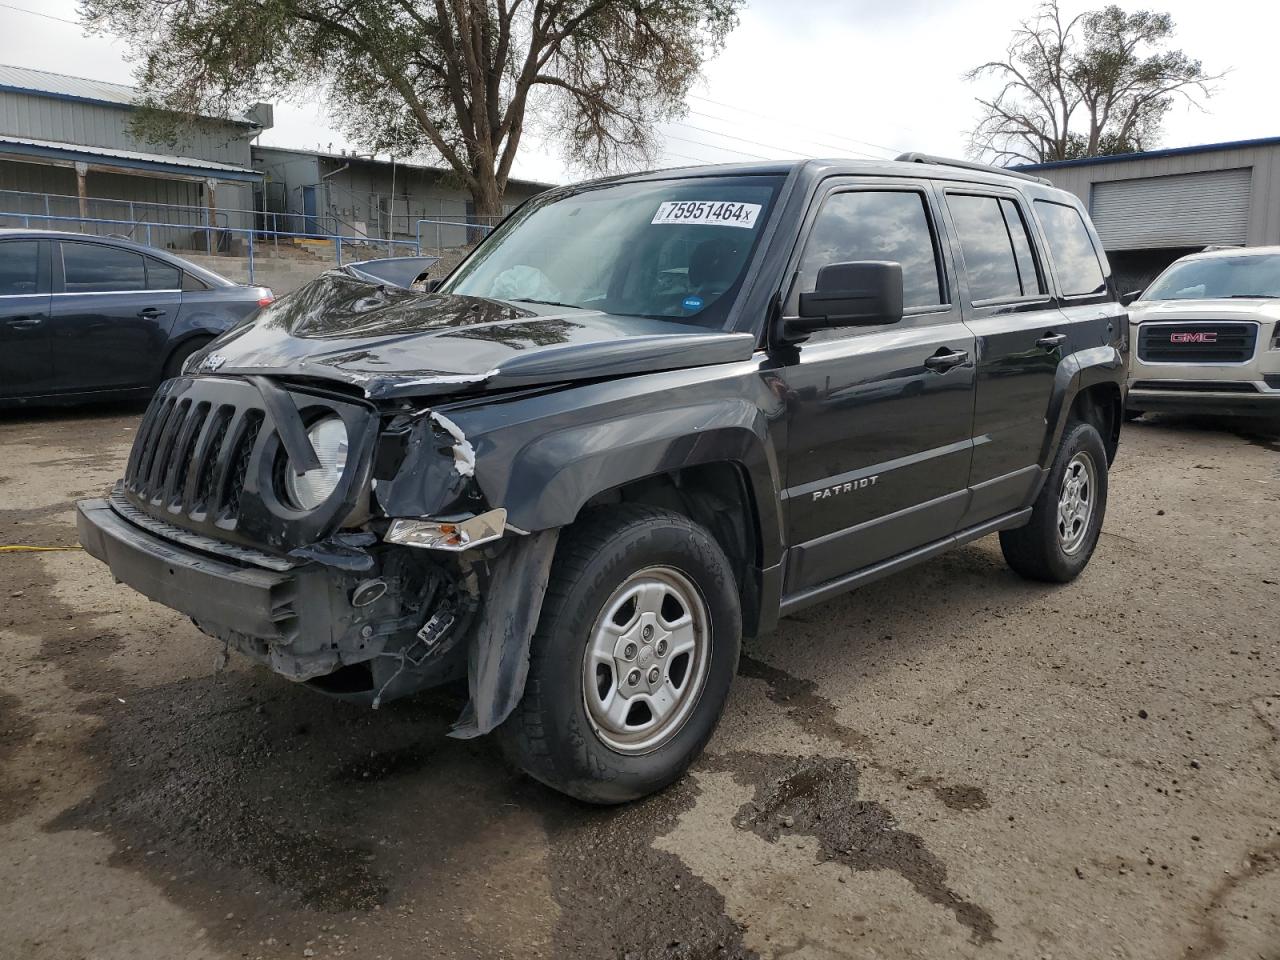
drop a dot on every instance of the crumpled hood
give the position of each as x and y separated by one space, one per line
391 342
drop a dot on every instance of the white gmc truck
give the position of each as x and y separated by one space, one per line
1205 336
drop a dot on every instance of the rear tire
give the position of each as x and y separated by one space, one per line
633 657
1066 518
173 366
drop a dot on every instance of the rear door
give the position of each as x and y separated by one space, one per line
1021 338
112 312
26 360
880 417
1080 269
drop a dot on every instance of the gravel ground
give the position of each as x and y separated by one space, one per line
950 763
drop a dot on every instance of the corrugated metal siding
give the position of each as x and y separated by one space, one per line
34 188
355 191
101 125
1264 201
1182 210
35 178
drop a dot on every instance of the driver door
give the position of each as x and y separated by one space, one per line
880 428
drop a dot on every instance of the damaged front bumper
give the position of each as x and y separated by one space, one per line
368 635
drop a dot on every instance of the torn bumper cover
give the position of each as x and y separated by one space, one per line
364 634
252 601
406 620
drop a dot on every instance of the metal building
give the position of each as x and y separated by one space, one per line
320 193
67 151
1151 208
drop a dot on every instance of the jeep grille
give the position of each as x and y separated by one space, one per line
200 462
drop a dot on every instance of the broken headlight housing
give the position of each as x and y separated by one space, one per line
454 535
308 490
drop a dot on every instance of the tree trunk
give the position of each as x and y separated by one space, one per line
486 194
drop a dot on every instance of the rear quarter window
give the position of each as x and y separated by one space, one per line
162 276
1071 248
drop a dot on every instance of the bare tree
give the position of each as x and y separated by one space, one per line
1100 83
453 80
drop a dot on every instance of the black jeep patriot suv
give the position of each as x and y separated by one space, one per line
646 417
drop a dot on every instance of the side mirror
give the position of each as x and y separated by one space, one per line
862 293
431 286
1128 298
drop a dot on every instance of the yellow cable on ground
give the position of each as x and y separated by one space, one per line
18 548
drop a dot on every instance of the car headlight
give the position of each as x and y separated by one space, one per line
310 489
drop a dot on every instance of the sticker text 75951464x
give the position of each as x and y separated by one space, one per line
722 213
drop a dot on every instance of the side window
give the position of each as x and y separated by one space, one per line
1021 237
876 225
989 262
190 282
19 268
1079 270
97 268
162 276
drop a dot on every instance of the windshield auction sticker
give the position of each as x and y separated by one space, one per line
714 213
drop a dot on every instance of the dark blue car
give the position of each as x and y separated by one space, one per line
85 317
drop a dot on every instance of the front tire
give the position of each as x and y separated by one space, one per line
632 661
1066 519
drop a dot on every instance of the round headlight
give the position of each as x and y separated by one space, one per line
308 491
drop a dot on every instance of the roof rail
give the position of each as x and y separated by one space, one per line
969 165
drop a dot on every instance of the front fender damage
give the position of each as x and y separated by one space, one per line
435 478
498 656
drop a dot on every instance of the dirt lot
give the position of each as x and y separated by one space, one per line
952 763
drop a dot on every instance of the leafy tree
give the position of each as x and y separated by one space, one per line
1098 84
456 81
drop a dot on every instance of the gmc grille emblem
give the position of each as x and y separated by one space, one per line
1210 337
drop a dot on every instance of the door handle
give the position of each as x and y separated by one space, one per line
150 313
945 359
1051 340
24 323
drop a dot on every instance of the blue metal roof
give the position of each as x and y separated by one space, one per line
1151 154
61 86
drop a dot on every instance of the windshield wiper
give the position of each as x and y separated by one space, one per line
1250 296
546 303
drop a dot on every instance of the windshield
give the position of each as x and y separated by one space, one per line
1218 277
668 249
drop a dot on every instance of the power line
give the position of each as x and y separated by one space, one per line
807 137
846 144
767 146
763 116
37 13
713 146
685 156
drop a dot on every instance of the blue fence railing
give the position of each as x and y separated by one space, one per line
214 234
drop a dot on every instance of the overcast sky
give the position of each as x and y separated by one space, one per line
804 77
